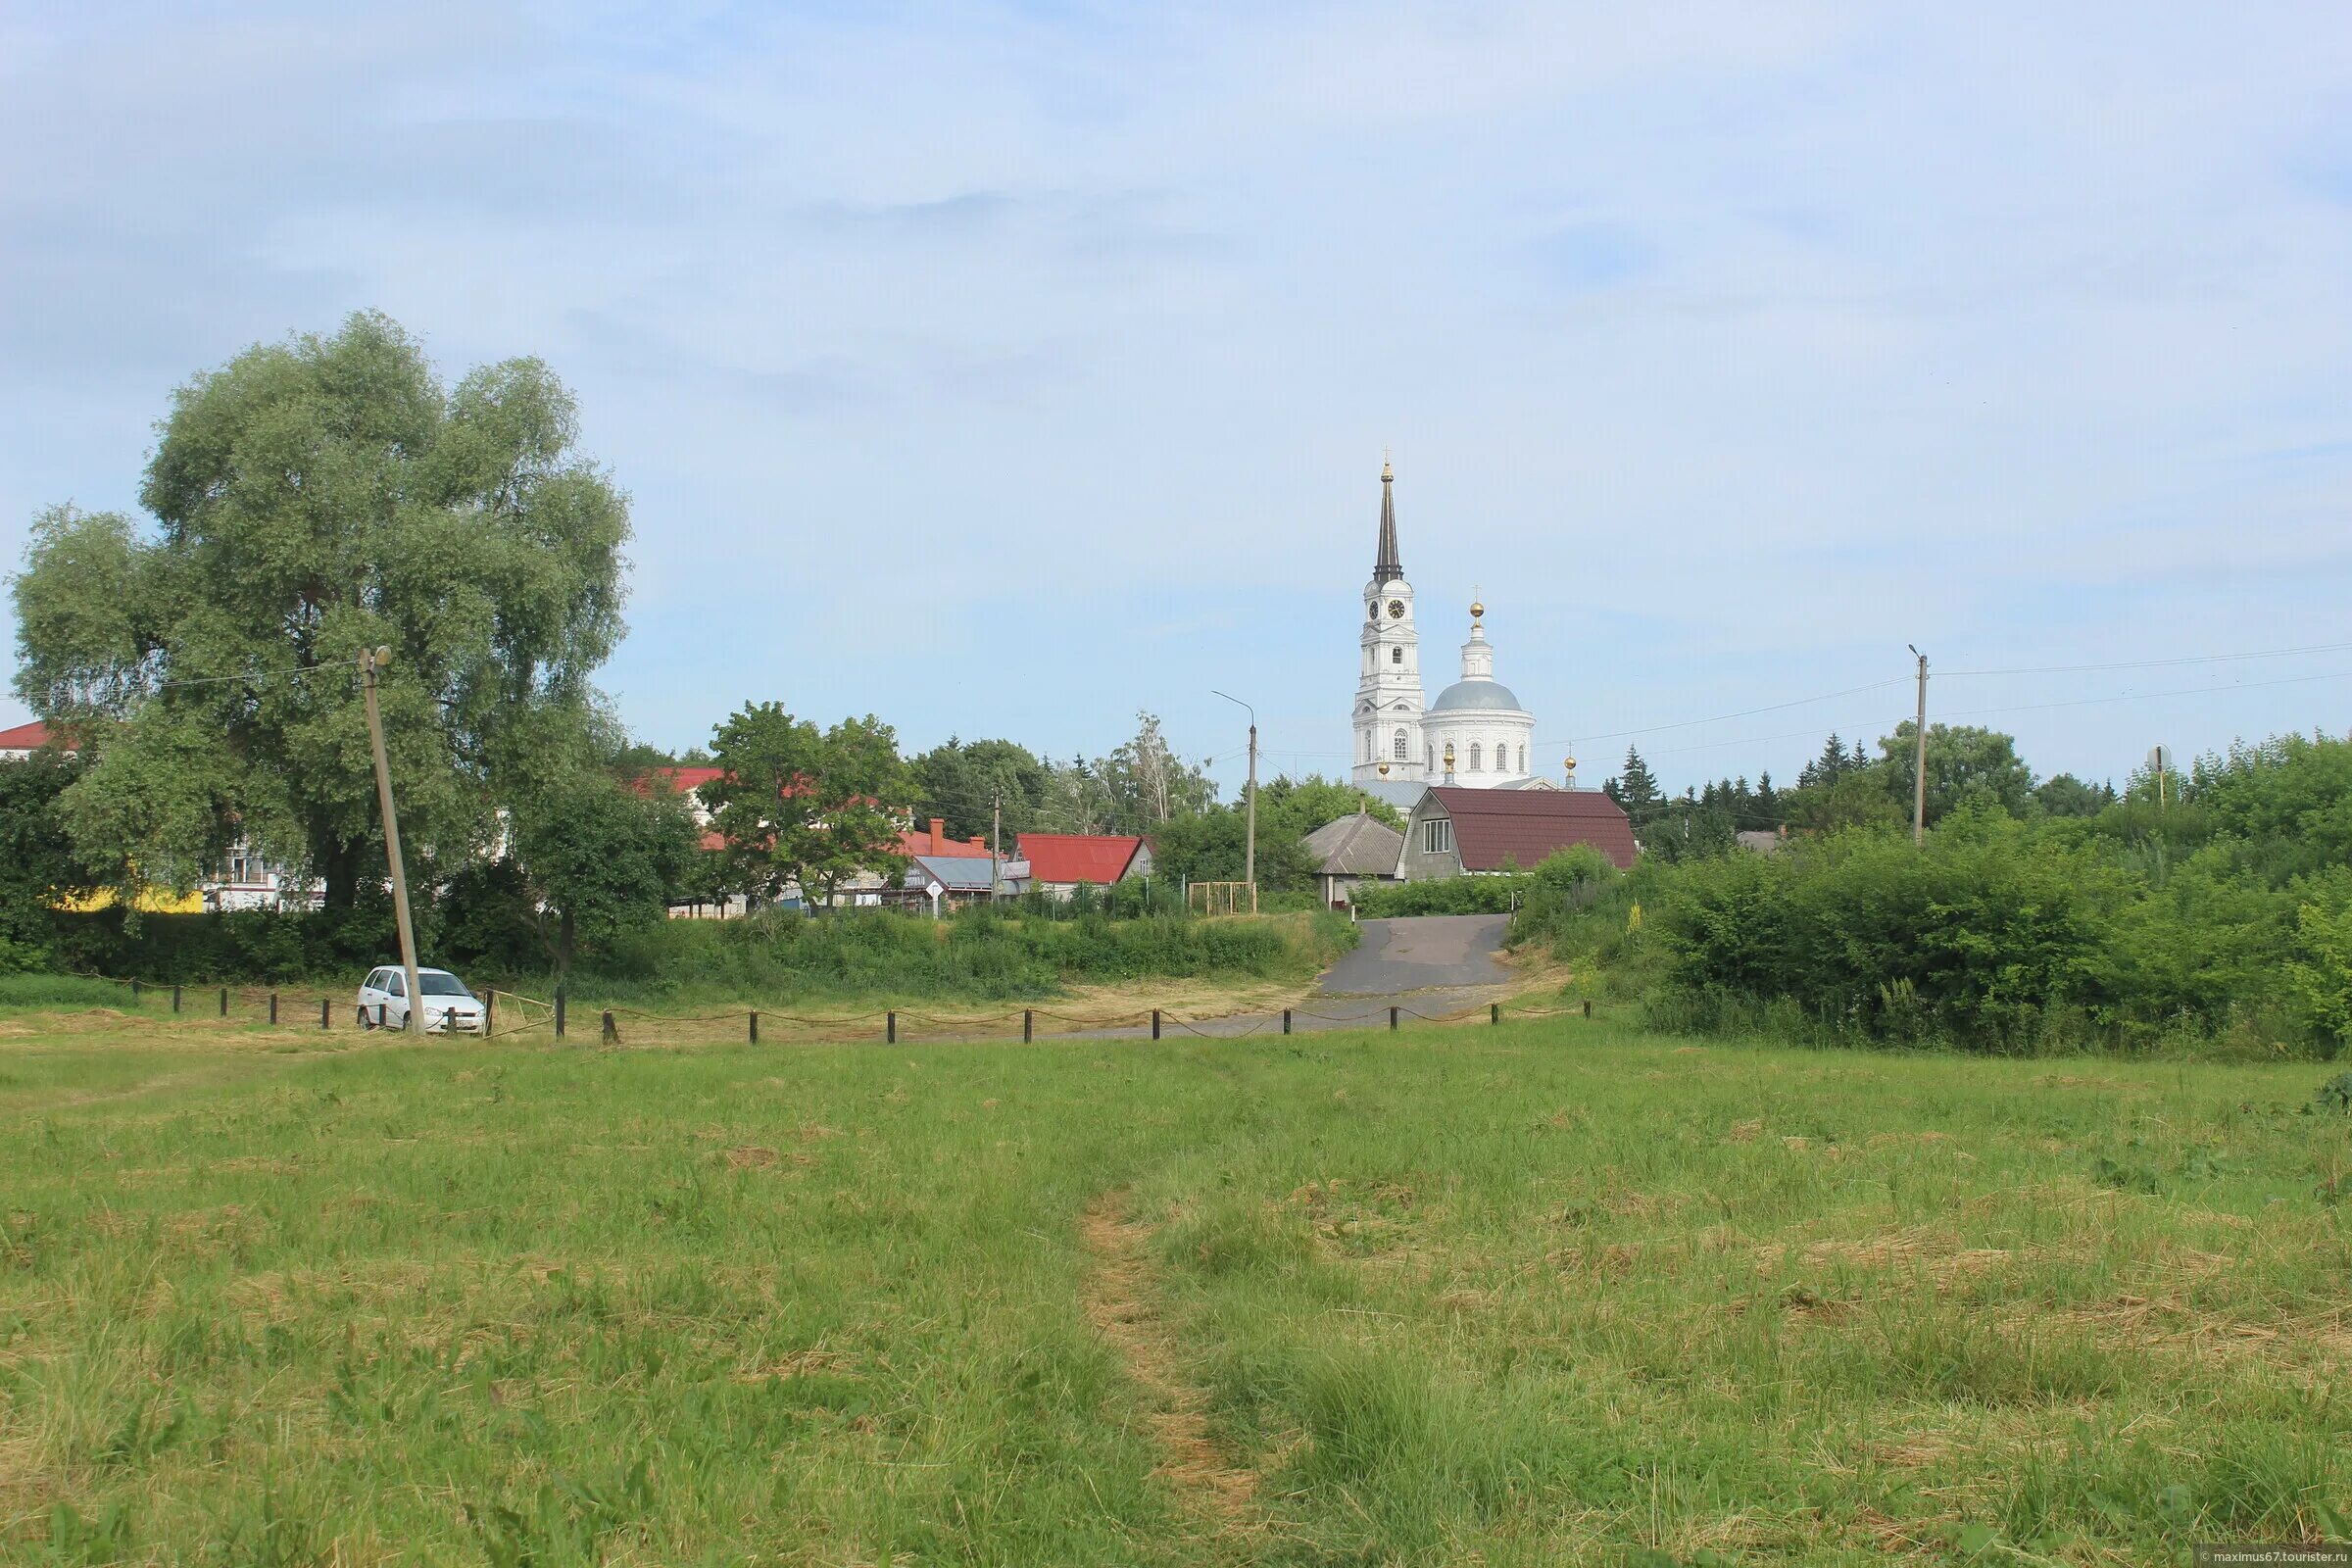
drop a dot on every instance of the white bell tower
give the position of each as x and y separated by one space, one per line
1388 693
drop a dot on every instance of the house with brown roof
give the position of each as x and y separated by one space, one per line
1456 831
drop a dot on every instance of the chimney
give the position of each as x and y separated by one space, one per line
978 841
939 835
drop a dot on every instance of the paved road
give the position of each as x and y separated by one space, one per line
1429 964
1424 952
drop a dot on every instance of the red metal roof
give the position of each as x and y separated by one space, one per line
1096 858
1495 828
25 736
681 780
921 841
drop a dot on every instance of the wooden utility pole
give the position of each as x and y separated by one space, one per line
1919 762
370 664
1249 842
995 843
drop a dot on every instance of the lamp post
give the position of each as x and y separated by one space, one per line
1249 842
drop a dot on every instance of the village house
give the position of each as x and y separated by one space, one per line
963 879
1060 864
1351 851
245 879
1457 832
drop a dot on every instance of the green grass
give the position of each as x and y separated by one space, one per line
1534 1295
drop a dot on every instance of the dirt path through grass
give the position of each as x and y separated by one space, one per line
1118 1291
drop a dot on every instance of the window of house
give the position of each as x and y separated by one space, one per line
1399 746
1474 757
1437 835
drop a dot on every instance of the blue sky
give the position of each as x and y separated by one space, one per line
1008 369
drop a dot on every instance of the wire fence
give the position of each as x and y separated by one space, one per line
514 1015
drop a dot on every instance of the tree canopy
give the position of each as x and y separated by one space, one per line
800 806
313 499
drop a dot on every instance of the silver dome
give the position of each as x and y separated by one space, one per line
1476 695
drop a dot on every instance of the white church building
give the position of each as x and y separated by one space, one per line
1476 734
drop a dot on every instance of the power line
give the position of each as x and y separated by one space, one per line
2135 696
2150 664
1745 712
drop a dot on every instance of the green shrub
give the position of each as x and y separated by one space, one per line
1453 895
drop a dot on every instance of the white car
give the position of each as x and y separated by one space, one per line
449 1008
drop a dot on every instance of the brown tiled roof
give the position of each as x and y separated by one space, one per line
1495 828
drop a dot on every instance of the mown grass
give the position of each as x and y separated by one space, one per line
1540 1294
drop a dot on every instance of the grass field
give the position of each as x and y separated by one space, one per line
1542 1294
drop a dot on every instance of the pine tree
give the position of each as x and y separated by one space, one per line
1637 789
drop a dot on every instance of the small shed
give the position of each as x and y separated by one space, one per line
1353 850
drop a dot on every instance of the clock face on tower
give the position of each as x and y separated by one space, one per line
1396 610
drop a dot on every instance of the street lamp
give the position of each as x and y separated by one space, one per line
1249 844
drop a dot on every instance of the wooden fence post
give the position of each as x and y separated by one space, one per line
1155 1023
272 1009
1028 1026
176 998
890 1028
558 1012
324 1020
1392 1019
1493 1013
612 1030
1286 1020
754 1025
225 1001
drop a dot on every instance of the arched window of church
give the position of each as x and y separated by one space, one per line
1522 759
1431 763
1400 746
1474 757
1396 656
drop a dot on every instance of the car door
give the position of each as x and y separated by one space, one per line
372 992
395 1007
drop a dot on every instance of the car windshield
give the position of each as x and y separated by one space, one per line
441 985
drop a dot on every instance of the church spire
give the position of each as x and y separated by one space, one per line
1387 566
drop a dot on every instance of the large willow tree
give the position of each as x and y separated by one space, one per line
311 498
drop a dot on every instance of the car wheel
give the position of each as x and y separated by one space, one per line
366 1019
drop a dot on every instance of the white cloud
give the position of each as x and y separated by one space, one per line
1728 347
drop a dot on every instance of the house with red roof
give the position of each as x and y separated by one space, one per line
18 744
1457 831
1060 863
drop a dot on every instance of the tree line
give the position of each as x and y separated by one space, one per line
317 499
1847 787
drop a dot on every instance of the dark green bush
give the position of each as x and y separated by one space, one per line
1453 895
